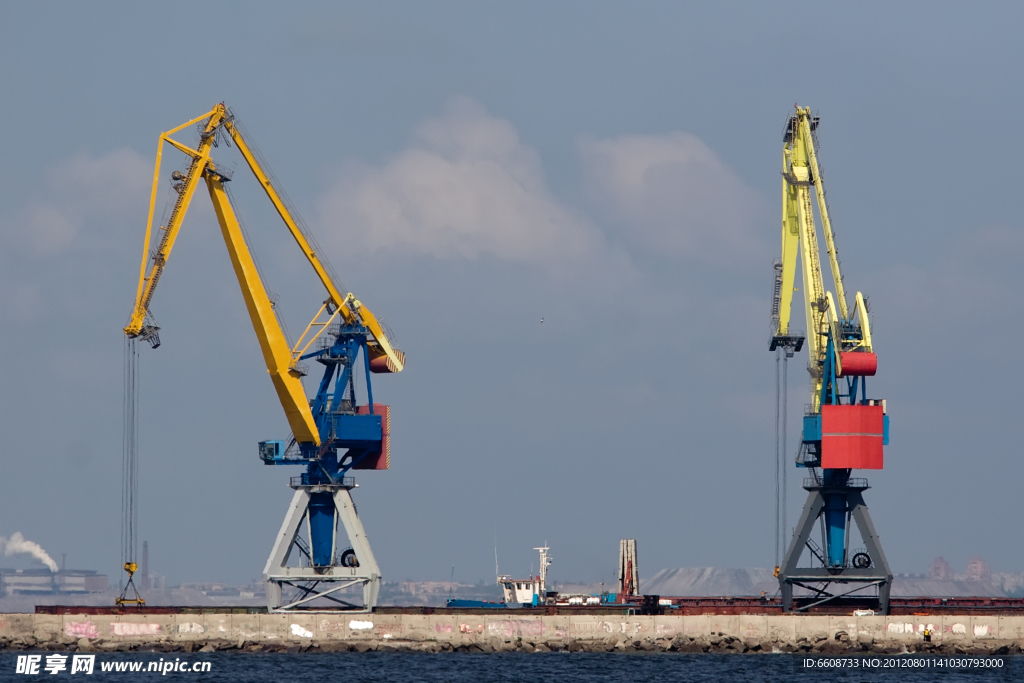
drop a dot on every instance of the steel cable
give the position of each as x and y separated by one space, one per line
785 420
778 461
129 453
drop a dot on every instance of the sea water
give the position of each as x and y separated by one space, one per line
387 667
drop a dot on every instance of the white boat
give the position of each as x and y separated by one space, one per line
531 591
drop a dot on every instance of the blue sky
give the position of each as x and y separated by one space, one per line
471 168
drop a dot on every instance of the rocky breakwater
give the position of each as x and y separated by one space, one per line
495 632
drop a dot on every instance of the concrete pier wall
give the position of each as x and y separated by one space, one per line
476 632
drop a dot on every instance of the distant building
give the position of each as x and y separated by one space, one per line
429 587
45 582
978 570
940 569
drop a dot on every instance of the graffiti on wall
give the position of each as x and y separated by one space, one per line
515 628
121 628
81 629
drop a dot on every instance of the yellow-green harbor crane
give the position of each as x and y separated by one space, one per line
843 429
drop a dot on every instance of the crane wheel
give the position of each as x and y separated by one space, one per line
861 560
348 558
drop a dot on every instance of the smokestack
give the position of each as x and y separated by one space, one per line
145 565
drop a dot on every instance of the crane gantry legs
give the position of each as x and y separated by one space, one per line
323 571
835 502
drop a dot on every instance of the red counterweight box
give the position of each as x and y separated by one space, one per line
851 437
381 460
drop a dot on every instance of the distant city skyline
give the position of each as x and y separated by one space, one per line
976 569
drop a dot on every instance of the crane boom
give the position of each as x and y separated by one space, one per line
826 222
186 187
800 171
351 309
283 372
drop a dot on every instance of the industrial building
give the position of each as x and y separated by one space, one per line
44 582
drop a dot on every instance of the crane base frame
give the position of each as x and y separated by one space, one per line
820 579
324 581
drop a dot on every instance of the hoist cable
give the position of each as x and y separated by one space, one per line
785 421
778 461
129 453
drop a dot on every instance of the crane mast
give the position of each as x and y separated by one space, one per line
843 429
331 433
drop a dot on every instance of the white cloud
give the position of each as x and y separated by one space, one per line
49 228
110 188
670 195
468 186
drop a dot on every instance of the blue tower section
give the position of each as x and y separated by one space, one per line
350 435
835 391
847 432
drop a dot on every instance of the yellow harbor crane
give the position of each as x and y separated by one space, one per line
331 433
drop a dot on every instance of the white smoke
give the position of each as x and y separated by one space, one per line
17 544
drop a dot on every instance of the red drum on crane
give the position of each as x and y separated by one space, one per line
858 364
380 363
